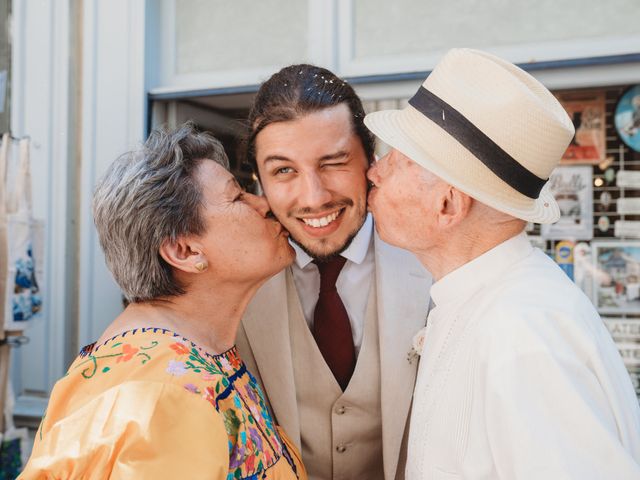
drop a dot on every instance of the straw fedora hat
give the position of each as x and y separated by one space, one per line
486 127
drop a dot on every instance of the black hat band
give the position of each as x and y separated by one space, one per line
477 143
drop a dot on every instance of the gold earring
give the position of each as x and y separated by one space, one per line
201 266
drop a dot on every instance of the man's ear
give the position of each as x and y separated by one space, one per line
454 206
184 254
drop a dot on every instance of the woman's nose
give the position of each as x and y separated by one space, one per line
260 204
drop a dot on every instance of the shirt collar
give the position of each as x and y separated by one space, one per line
356 252
459 285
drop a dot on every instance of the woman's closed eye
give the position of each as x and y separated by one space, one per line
239 197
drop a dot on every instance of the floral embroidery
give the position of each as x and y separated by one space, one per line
226 365
127 353
233 358
199 364
254 441
176 368
222 380
179 348
192 388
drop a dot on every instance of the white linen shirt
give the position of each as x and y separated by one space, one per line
353 283
519 378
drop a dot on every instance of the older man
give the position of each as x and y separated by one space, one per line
519 378
329 336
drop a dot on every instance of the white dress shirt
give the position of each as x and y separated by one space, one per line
519 378
353 284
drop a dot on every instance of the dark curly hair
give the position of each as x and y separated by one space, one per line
298 90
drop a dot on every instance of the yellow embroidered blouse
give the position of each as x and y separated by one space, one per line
149 403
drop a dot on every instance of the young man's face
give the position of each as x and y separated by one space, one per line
313 173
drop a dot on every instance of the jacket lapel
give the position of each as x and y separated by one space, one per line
403 299
266 324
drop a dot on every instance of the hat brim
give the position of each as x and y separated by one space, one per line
427 144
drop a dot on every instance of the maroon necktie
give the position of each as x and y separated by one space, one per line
331 326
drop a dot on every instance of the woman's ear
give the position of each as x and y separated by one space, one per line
184 254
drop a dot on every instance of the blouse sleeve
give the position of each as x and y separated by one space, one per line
135 430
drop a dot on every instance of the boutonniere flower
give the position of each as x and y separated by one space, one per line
417 345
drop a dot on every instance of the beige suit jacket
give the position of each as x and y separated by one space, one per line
402 286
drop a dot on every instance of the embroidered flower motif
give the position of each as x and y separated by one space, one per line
417 345
176 368
234 359
127 353
210 395
237 456
179 348
251 394
225 363
250 462
192 388
257 414
254 443
256 438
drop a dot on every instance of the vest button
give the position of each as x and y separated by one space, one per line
341 410
341 448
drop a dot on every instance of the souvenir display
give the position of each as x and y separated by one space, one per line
626 228
634 373
628 179
604 224
628 206
22 295
587 111
626 334
624 329
606 163
627 118
609 175
616 272
564 257
573 190
605 201
583 268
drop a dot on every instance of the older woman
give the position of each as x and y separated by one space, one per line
163 392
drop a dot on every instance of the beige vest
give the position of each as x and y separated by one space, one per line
341 433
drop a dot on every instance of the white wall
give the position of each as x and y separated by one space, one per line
377 36
75 135
214 43
40 94
113 121
209 44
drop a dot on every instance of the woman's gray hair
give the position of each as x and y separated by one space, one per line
147 197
